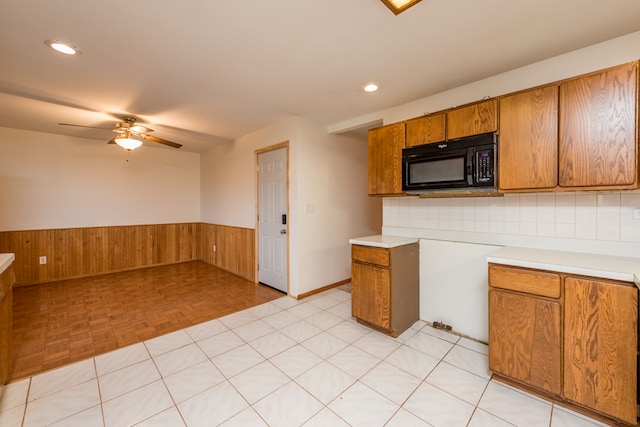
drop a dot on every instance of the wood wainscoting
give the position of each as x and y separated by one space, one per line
235 249
90 251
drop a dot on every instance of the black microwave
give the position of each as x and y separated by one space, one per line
468 163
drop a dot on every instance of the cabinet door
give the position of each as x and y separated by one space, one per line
385 159
524 339
371 294
528 149
474 119
425 130
598 129
600 346
7 279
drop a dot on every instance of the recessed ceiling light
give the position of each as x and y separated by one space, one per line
370 87
62 47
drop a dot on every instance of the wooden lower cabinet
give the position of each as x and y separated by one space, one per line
579 348
7 280
385 287
600 346
371 294
525 339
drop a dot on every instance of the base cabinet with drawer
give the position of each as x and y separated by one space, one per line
571 338
385 287
524 337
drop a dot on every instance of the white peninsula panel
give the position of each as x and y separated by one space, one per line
453 285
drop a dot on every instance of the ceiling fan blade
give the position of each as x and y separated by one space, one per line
82 126
160 140
140 129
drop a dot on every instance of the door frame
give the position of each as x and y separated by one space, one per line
259 151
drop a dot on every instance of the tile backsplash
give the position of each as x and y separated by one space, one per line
600 216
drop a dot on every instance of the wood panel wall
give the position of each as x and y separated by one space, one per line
81 252
235 249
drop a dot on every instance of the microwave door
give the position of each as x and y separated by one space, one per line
451 171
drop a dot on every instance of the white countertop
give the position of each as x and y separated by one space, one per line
626 269
383 241
5 261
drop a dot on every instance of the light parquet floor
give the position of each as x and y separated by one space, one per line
62 322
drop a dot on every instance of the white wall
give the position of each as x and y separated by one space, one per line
333 205
455 278
327 175
228 175
599 222
53 181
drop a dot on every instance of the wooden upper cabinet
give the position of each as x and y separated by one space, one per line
600 346
528 148
385 159
425 130
598 129
474 119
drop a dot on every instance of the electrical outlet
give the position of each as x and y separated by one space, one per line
43 260
636 214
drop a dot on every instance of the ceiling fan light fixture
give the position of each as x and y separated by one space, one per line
398 6
127 143
62 47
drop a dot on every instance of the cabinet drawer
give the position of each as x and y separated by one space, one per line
533 282
370 255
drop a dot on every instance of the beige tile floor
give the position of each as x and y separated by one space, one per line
282 363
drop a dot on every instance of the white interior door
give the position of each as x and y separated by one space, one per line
273 219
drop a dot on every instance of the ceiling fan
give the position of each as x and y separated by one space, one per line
127 131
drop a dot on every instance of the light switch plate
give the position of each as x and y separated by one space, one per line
636 214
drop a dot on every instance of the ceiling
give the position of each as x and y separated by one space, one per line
200 72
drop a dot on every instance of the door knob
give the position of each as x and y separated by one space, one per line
283 231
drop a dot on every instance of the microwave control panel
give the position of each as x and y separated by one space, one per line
484 165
